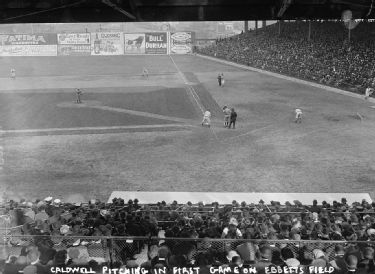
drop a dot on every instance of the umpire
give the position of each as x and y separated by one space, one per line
233 118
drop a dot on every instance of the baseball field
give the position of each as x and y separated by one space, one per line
144 133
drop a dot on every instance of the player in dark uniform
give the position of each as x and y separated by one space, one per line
219 78
233 118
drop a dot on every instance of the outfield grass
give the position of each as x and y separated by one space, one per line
84 65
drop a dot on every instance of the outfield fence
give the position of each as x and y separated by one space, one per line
120 249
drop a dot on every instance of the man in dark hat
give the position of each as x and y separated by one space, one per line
219 79
233 118
339 261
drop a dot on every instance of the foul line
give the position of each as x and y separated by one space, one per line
192 92
190 88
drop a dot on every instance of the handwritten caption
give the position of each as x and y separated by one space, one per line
195 270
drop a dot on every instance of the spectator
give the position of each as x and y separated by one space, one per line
339 262
265 258
232 232
11 266
319 259
41 215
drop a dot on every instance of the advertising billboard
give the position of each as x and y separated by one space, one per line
134 43
156 43
107 43
28 50
74 44
28 44
74 39
181 42
28 39
75 50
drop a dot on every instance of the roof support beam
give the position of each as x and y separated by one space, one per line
285 5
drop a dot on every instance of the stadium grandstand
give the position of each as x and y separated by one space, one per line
314 51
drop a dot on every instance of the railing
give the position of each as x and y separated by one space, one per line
120 249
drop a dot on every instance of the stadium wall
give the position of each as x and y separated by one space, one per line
96 44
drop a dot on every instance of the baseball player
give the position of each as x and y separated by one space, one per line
219 79
298 116
227 113
368 93
206 118
145 73
79 94
13 73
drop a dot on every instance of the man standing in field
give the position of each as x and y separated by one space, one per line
13 74
233 118
79 94
219 79
206 118
145 72
227 113
298 116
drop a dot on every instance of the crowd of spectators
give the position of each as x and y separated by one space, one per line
328 57
183 235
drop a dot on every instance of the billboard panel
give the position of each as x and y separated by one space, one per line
156 43
74 50
28 50
134 43
107 43
181 42
28 39
74 38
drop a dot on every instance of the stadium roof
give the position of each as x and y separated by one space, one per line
64 11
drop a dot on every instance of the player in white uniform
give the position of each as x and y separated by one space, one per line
13 73
79 94
368 93
227 113
145 73
298 116
206 118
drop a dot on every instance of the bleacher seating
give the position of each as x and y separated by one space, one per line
328 58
